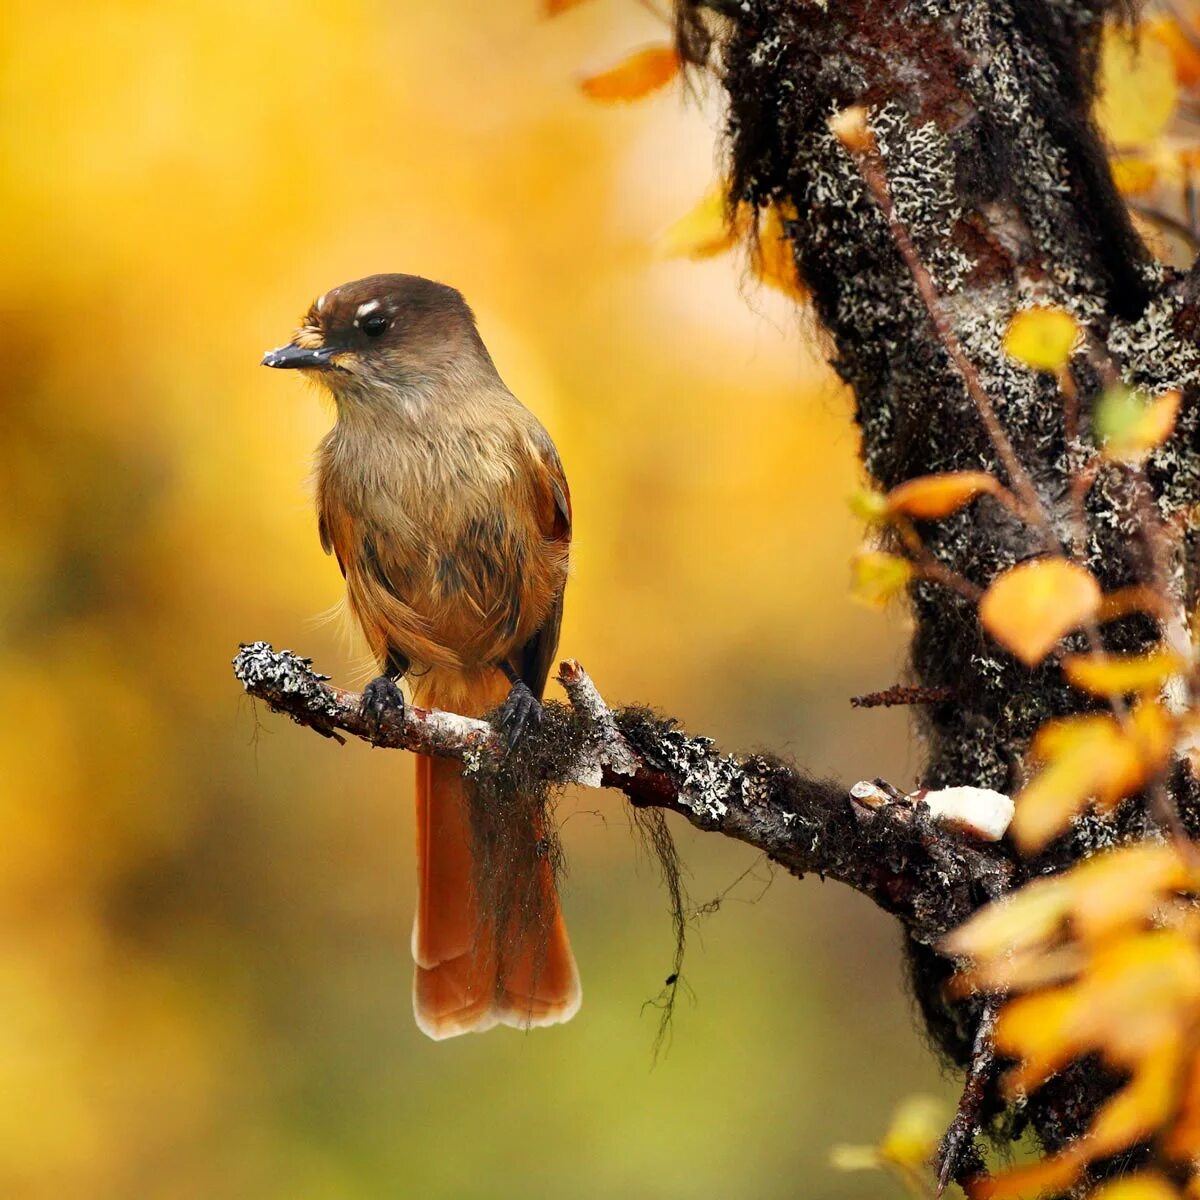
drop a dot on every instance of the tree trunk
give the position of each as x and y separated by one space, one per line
981 110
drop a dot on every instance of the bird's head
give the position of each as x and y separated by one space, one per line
389 333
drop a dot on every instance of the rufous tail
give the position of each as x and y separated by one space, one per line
468 980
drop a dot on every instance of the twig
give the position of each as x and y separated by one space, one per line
960 1136
900 693
871 167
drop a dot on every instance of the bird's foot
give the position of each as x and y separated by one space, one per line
520 712
381 698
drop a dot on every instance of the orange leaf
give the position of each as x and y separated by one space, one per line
1131 425
643 72
1051 1175
1182 44
1120 674
1041 337
1028 608
1133 175
931 496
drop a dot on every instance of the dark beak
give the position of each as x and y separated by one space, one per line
297 356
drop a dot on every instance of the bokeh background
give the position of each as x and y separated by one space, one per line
204 911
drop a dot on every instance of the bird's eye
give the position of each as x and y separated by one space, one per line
375 324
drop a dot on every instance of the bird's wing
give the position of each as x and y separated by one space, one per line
554 518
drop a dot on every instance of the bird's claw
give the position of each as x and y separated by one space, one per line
520 712
381 698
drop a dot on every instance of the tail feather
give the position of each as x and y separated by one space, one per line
461 985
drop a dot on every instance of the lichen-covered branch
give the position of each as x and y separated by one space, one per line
927 874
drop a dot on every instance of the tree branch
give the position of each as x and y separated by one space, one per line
890 849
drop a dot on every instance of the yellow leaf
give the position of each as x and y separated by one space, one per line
1145 1103
931 496
1028 608
706 230
1041 337
1184 1139
1137 92
869 505
1120 674
1116 888
1038 1030
643 72
1088 758
1130 425
1134 175
844 1157
917 1126
1149 1186
877 577
773 259
1013 923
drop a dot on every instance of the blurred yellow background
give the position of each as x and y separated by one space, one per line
204 965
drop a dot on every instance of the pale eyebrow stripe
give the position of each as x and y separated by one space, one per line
365 309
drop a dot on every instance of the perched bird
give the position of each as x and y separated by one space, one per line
445 504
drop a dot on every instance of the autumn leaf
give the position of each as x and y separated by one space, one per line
1041 337
641 73
1090 758
917 1125
877 577
1137 91
1048 1177
1130 425
869 505
1181 44
706 230
1148 1186
1120 674
773 257
1109 892
1029 608
932 496
1134 175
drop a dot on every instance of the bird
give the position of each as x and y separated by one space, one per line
444 502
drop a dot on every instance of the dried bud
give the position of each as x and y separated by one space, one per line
850 127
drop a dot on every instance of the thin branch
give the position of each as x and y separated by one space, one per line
926 874
959 1139
871 167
